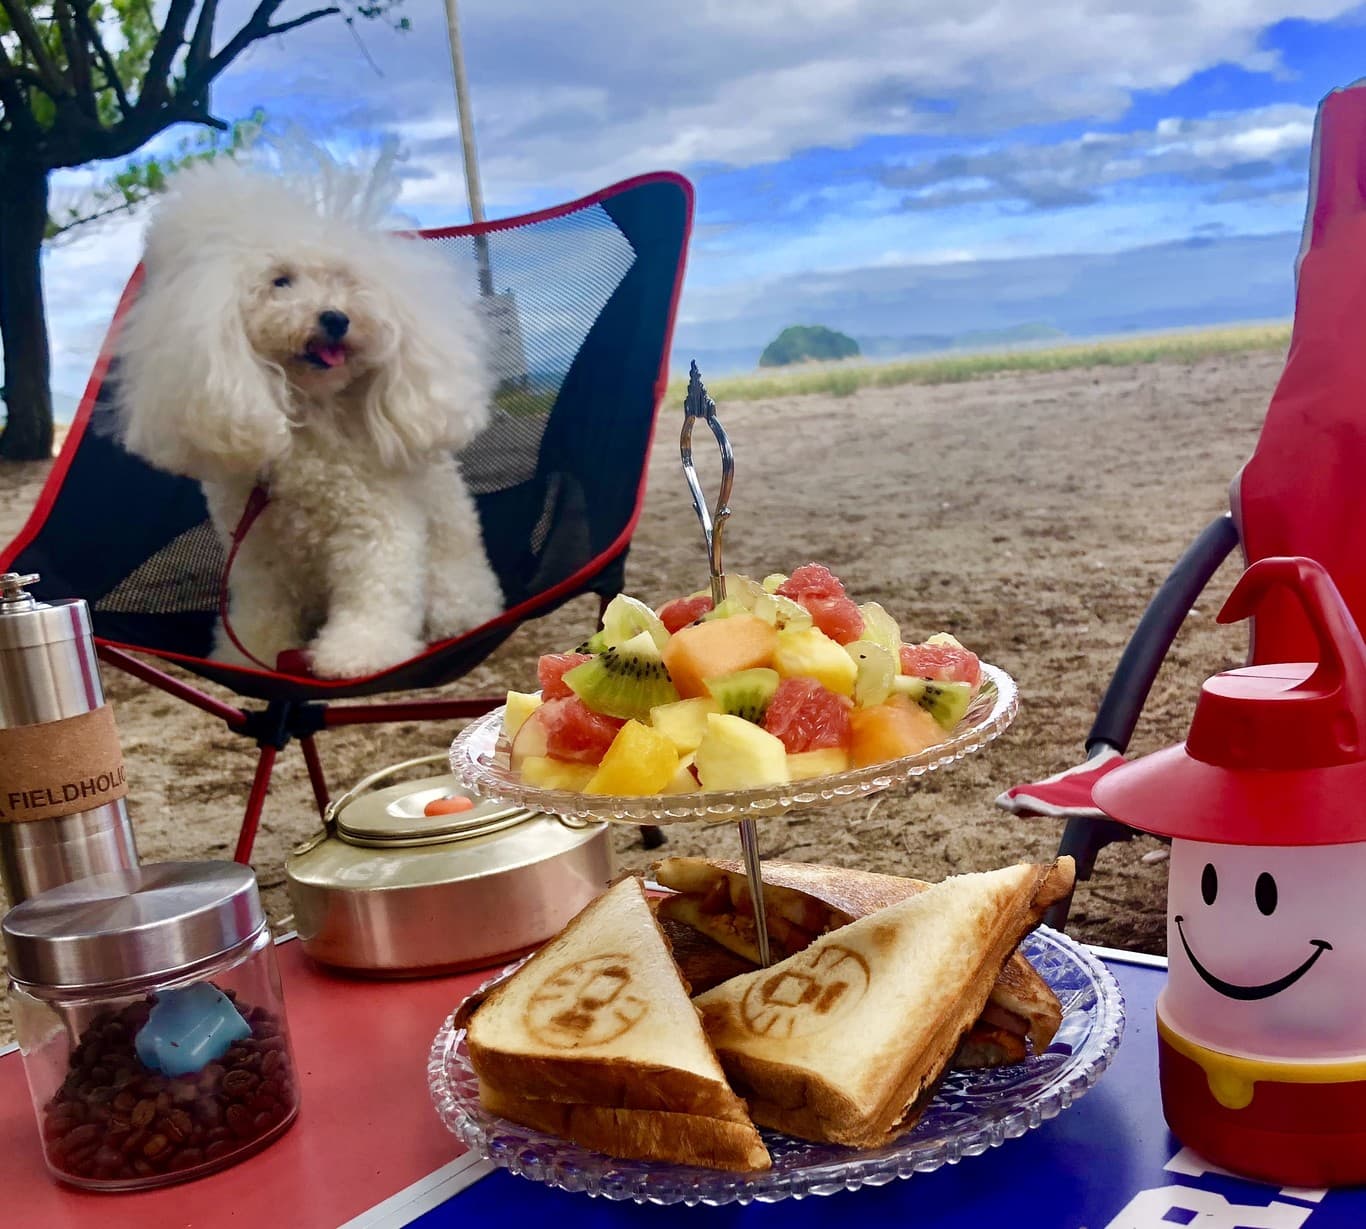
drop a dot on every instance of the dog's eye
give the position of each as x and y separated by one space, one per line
282 281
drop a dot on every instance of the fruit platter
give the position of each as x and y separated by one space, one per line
787 693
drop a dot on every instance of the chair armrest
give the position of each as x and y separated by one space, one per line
1133 678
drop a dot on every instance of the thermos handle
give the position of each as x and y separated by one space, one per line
1342 654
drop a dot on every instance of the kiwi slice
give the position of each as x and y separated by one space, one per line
876 672
624 680
745 693
946 702
626 617
594 644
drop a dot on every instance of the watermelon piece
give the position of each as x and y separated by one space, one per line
682 611
807 716
551 670
838 617
574 732
946 663
812 580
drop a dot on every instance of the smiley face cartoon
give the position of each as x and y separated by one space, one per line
1267 948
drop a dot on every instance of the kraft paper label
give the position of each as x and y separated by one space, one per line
59 768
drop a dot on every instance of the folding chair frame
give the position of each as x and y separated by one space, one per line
1131 682
307 709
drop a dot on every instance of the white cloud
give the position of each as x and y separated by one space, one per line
568 97
1258 144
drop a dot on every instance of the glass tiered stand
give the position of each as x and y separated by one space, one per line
972 1111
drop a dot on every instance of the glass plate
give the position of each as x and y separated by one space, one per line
479 757
973 1110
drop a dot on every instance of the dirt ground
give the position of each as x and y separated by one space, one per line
1032 515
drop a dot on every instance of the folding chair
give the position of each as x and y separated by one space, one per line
1301 493
581 301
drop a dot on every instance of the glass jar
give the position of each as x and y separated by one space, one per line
149 1013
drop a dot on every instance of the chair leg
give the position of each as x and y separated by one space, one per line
315 772
1082 840
256 801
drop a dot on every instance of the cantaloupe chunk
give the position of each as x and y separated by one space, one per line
891 730
719 646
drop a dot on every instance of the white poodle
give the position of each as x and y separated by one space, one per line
280 339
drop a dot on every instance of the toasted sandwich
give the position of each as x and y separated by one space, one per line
846 1041
802 901
594 1038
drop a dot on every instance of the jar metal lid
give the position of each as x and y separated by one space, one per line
146 922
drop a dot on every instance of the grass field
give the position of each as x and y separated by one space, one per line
841 379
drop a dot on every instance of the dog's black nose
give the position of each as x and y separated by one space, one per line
334 324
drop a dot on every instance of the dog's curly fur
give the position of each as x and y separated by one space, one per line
229 373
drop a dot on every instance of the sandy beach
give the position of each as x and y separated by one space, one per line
1031 514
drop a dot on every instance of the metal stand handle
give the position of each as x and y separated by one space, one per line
713 520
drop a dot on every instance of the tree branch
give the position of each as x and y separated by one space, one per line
77 59
52 81
156 83
201 42
111 73
16 105
302 21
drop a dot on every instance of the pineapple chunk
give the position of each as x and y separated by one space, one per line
683 722
737 754
520 706
823 762
810 653
639 761
543 772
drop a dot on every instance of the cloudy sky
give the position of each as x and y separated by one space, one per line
888 167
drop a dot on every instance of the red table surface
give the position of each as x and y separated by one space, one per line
366 1126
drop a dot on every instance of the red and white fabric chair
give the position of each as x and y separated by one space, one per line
1301 493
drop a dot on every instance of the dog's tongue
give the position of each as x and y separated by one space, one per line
333 356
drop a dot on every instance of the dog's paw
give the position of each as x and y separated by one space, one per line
460 600
351 650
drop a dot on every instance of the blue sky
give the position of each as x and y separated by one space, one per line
887 167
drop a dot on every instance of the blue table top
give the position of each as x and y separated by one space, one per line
1108 1162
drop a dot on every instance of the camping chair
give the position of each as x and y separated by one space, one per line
581 321
1300 494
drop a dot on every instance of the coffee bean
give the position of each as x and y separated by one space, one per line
220 1148
187 1158
143 1113
240 1083
113 1120
239 1121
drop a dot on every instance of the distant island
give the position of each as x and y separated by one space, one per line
801 343
1031 333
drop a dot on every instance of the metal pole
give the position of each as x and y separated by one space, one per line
473 190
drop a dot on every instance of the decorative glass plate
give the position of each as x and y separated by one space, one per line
973 1110
479 757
